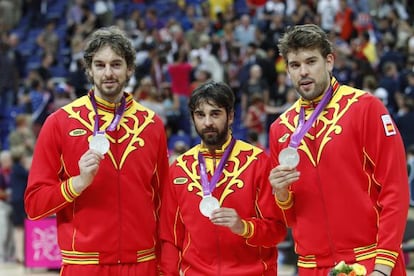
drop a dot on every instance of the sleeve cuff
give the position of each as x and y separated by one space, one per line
386 257
68 191
287 204
248 229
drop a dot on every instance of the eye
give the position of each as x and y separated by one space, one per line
216 114
198 115
294 65
99 65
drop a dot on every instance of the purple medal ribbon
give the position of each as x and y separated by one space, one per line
115 121
303 126
209 186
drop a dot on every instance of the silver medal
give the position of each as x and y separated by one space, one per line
99 143
208 204
289 157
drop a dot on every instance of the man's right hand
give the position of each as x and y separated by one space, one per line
88 167
281 177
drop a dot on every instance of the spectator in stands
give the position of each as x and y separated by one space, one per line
365 49
6 226
255 118
74 12
255 85
391 82
291 96
22 135
105 12
245 31
8 18
180 74
219 6
172 111
62 94
44 69
389 52
9 81
201 75
266 13
209 59
344 21
194 34
48 39
87 23
326 9
154 102
189 17
41 100
404 118
16 55
18 182
303 13
143 89
179 147
152 20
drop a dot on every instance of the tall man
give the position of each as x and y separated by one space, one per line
339 166
218 215
99 164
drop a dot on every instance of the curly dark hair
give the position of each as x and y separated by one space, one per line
114 38
215 93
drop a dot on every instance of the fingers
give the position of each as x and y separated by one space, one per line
89 164
281 177
89 159
228 217
224 216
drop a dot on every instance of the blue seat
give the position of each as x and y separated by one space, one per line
179 137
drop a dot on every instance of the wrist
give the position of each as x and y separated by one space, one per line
380 272
284 202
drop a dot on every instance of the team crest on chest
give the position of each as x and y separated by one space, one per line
327 123
241 157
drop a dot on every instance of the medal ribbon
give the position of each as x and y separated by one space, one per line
115 121
303 126
209 186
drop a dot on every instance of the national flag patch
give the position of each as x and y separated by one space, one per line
388 125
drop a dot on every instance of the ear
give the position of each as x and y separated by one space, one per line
89 73
130 72
231 117
330 60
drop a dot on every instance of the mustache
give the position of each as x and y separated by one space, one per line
208 130
305 80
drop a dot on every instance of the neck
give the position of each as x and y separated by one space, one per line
219 146
112 99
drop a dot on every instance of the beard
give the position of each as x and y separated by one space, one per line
319 88
114 89
213 136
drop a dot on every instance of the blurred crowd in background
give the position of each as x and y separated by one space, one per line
181 44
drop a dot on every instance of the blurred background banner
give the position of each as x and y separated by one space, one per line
41 248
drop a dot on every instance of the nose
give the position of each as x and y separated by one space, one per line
108 70
208 120
303 70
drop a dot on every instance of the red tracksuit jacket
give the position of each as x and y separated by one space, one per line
114 220
351 200
192 244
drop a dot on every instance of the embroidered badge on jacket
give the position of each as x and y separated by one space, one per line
388 125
